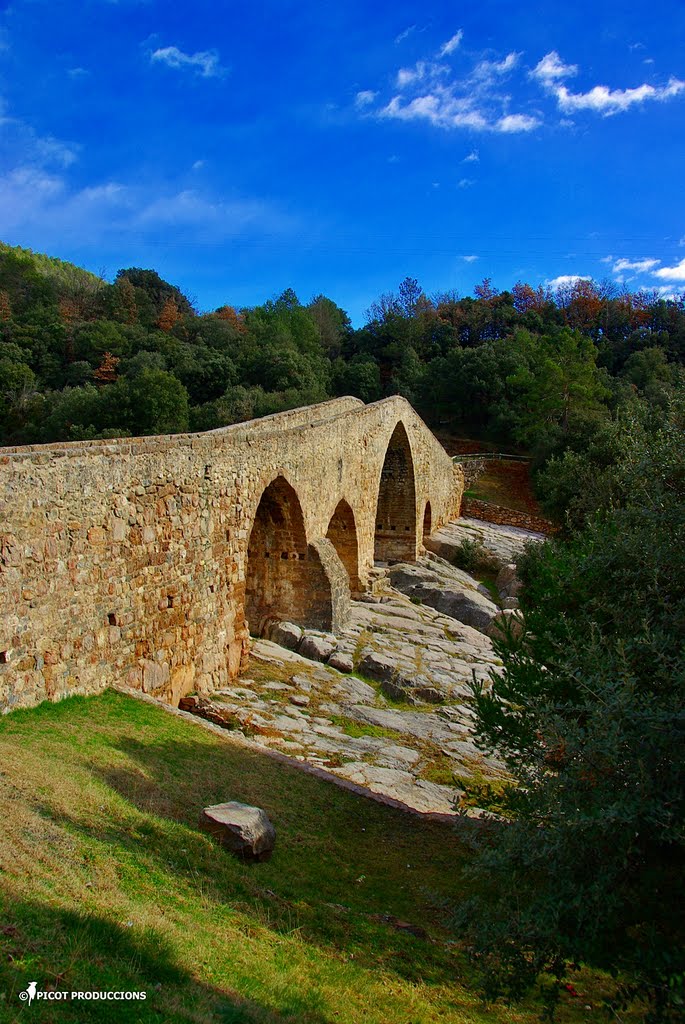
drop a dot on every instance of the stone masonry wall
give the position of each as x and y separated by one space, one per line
125 561
505 516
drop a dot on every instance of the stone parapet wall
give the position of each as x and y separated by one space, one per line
125 561
505 516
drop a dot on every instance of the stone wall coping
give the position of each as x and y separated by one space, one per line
282 424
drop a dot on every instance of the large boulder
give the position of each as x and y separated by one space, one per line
508 584
244 830
467 606
286 634
317 646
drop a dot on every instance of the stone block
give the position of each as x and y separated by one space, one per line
244 830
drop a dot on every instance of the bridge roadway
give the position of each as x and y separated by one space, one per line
149 561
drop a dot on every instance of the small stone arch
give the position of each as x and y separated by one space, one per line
342 533
285 578
395 537
427 517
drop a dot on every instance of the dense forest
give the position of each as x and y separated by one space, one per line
546 371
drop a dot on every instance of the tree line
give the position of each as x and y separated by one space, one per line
553 373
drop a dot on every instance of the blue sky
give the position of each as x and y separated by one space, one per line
337 148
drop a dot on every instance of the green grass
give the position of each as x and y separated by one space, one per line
358 729
107 883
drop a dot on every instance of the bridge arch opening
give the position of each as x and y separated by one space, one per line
342 533
284 578
427 520
395 539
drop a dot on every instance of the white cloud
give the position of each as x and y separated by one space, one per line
205 63
552 67
429 91
676 273
567 280
607 101
490 68
364 98
622 265
32 200
78 73
469 259
465 183
423 71
440 107
403 35
665 291
516 123
23 144
472 158
451 45
198 165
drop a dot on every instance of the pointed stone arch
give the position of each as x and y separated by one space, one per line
427 518
342 533
285 577
395 538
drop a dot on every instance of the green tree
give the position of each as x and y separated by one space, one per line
589 716
560 379
158 403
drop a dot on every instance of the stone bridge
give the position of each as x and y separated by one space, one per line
149 561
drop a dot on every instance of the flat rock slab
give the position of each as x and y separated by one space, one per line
244 830
503 542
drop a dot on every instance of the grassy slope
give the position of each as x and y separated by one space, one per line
106 883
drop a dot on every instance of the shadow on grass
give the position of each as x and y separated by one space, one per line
67 951
341 864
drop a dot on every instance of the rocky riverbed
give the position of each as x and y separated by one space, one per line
385 704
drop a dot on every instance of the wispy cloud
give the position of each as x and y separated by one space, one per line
364 98
623 266
204 63
32 199
465 183
469 259
429 91
551 71
472 157
607 101
676 273
404 35
489 69
22 144
451 45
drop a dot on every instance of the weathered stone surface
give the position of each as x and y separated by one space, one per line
286 634
244 830
508 584
377 666
115 551
341 661
501 541
318 648
508 621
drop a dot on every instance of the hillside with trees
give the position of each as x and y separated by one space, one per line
548 371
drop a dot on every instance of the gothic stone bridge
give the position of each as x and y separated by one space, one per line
149 561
